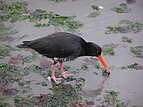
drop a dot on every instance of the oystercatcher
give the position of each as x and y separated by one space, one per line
63 46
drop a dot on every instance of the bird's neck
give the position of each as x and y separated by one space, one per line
87 50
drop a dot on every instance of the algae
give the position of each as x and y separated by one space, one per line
18 11
122 8
125 26
137 51
63 95
108 49
6 50
111 97
127 39
14 12
94 14
4 103
90 61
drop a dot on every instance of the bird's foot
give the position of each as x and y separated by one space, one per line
106 72
65 75
55 79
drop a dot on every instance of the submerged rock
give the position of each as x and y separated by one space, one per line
136 66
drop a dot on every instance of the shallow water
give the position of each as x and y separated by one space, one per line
128 82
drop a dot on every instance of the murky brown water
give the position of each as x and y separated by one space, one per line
128 82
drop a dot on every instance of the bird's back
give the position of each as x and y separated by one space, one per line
60 44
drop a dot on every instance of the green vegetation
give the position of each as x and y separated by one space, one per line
10 73
111 99
94 14
121 9
137 51
28 101
90 61
84 66
18 12
63 95
125 26
108 49
30 58
6 50
127 39
14 12
4 103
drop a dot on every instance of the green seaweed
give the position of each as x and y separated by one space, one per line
122 8
84 66
30 58
108 49
10 73
17 11
65 21
94 14
28 101
6 72
137 51
125 26
13 12
64 94
127 39
111 30
91 61
6 50
111 98
54 19
4 103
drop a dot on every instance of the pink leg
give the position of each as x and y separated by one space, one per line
63 72
53 74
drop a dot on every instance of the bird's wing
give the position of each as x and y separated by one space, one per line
56 46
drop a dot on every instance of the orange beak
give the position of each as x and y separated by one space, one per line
103 62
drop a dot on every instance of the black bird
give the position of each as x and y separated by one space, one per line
62 46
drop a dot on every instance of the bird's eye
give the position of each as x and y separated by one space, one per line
98 51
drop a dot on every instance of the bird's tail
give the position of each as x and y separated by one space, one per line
25 44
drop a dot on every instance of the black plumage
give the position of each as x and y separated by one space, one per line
64 46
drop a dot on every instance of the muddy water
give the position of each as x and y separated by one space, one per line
128 82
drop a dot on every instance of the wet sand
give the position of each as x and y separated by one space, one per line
128 82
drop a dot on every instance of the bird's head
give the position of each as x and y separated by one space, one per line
95 50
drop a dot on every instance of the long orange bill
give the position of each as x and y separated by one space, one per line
103 62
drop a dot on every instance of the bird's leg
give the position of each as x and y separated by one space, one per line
53 74
65 75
